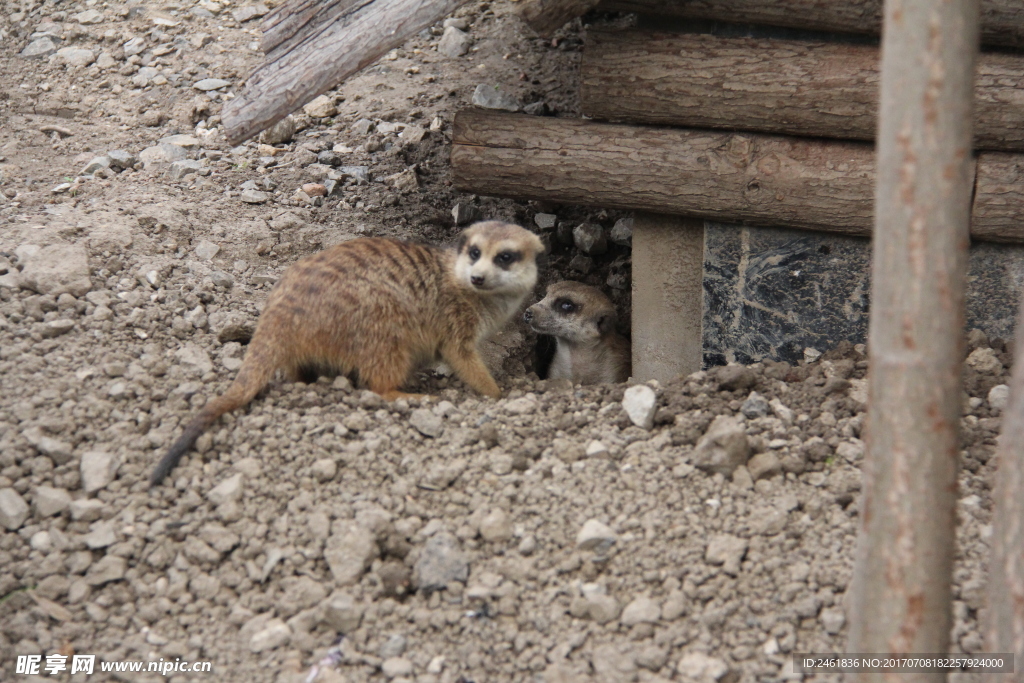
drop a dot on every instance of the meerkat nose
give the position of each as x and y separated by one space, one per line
477 280
528 316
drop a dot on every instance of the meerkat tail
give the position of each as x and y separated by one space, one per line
252 377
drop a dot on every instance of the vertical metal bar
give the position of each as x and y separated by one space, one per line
900 595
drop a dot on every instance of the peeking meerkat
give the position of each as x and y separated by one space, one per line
582 321
378 309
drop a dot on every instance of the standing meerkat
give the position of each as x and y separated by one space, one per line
582 321
379 308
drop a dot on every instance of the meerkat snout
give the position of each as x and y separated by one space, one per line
582 321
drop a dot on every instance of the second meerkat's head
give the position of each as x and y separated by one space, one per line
574 312
497 258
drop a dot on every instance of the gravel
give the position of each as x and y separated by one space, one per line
451 524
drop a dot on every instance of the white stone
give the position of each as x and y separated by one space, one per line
86 509
89 16
76 56
596 449
426 422
488 97
228 490
640 403
208 84
595 535
194 355
39 48
832 619
350 550
726 550
496 527
13 509
641 610
56 269
523 405
454 42
51 501
206 250
98 469
723 448
320 108
999 397
275 634
984 360
395 667
343 613
700 667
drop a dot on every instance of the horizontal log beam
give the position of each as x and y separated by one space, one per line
772 181
313 46
1002 21
707 174
766 85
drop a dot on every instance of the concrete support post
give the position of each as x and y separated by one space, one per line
668 296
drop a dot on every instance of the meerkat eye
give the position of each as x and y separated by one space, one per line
506 258
474 253
566 306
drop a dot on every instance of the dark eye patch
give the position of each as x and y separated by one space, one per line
505 259
566 306
474 253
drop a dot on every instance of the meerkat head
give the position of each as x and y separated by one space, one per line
573 312
498 258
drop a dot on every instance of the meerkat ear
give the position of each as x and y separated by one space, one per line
606 323
461 244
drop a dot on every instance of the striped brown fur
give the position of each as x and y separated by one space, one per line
379 308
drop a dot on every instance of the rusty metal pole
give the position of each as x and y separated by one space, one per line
900 594
1006 571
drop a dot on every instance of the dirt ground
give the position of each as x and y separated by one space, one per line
549 536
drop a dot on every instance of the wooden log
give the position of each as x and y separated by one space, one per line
763 180
999 198
314 46
900 600
1002 21
547 16
777 86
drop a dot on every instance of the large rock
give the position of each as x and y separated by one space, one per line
723 448
56 269
349 552
13 509
440 563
